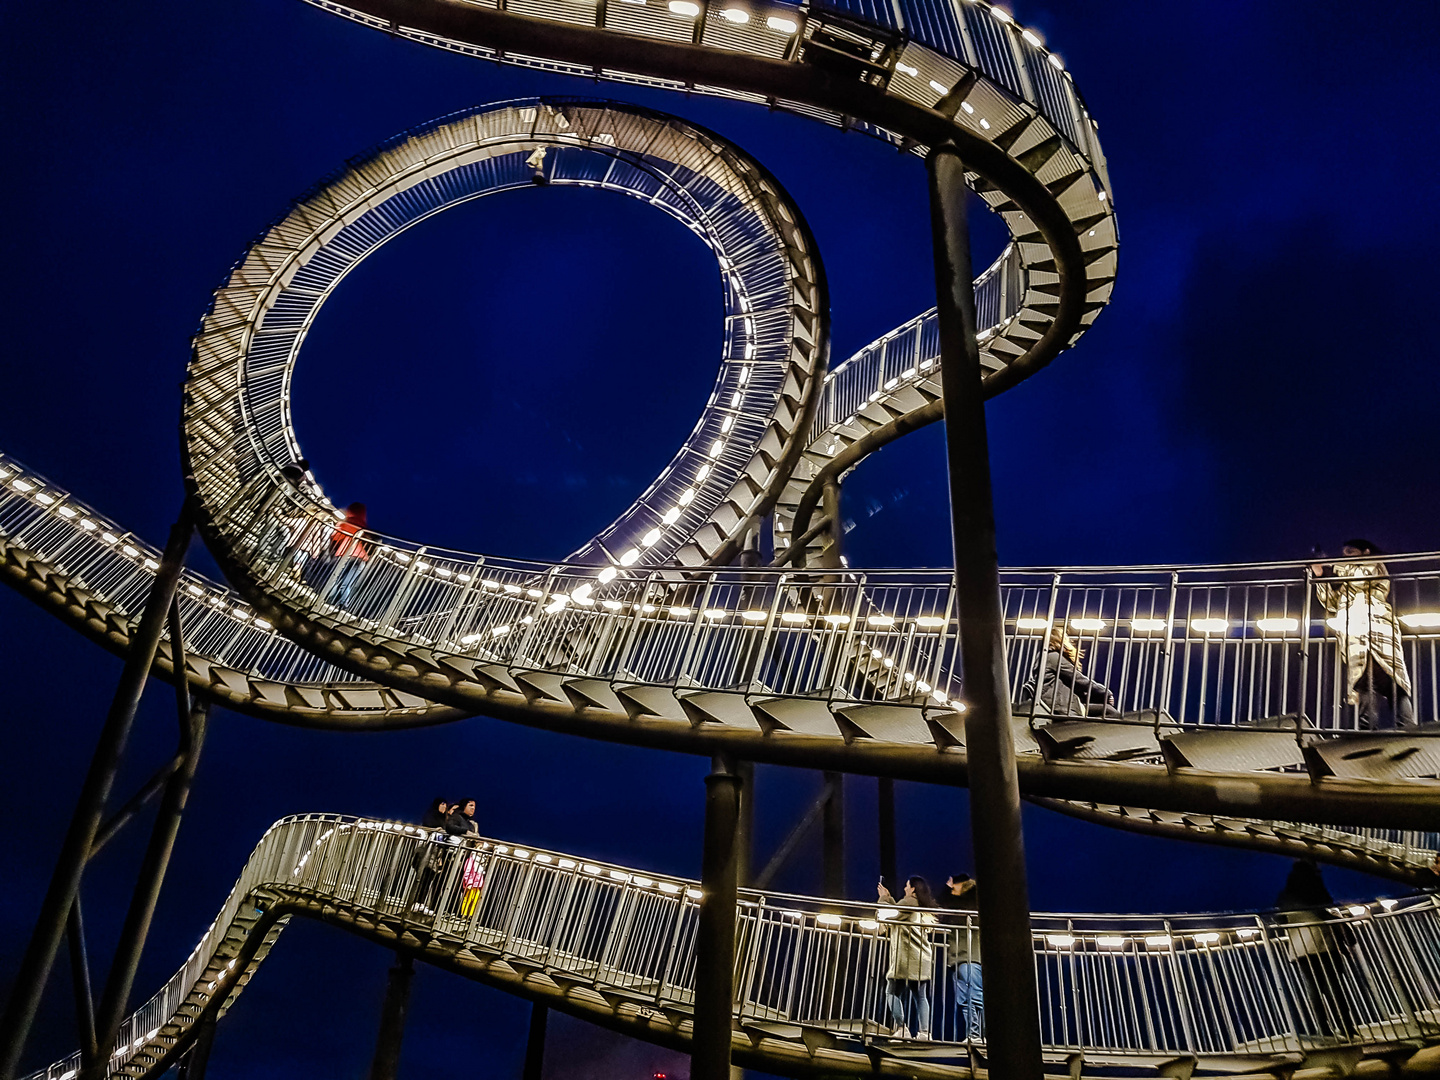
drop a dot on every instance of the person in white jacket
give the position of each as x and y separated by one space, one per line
1356 593
912 958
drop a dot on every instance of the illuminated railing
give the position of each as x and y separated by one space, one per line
910 353
1182 647
882 636
100 557
1122 990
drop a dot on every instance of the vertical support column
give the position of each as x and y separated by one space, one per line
126 962
535 1043
1013 1036
197 1058
80 979
386 1062
745 827
889 870
715 936
832 824
830 507
44 942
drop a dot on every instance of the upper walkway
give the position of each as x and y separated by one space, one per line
94 574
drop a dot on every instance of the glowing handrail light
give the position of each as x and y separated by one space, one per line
1422 620
1276 625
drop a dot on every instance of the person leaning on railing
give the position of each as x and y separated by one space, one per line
1359 601
350 552
912 959
1059 685
962 958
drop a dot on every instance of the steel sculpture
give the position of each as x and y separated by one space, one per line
1226 719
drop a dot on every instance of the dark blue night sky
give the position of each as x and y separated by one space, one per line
507 377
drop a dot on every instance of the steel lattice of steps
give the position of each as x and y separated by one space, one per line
1207 994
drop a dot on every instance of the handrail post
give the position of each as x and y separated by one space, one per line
996 827
1167 651
1305 656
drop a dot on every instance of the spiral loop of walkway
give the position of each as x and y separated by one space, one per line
1209 995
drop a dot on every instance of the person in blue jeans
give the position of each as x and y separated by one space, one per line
962 958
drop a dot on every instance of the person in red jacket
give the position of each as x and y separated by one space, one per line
350 552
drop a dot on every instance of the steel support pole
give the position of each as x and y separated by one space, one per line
1013 1035
535 1043
197 1058
832 827
745 828
385 1065
80 978
830 507
114 1002
889 869
44 942
715 935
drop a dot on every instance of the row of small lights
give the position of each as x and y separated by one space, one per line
1103 941
582 595
35 491
544 858
901 331
794 618
783 25
670 888
1420 620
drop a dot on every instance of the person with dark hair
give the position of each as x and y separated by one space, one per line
1357 596
912 959
350 552
1319 946
462 828
962 959
461 820
430 858
1060 687
435 817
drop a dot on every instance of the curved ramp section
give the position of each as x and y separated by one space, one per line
1402 855
95 575
237 660
1248 994
913 72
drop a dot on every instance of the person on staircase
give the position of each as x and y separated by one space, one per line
1357 598
912 959
350 553
962 959
1059 685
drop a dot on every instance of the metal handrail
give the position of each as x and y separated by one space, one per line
1229 678
1123 990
